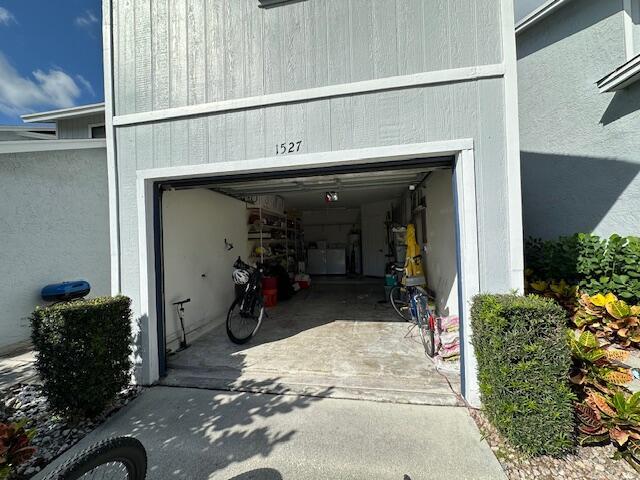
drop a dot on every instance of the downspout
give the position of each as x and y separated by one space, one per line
512 135
112 165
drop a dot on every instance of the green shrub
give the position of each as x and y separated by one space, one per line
596 265
553 259
83 352
523 367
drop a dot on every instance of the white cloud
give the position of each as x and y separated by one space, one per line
86 84
86 20
19 94
6 17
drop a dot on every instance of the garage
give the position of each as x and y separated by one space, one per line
328 239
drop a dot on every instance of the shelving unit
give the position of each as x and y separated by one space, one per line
271 223
268 222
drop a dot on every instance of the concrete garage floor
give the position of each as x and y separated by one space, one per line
333 340
201 434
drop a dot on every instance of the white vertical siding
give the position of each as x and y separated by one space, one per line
77 127
225 49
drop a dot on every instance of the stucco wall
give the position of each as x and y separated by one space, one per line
196 263
441 256
580 148
54 226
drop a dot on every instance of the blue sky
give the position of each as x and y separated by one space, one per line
50 56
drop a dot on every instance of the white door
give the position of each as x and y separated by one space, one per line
374 238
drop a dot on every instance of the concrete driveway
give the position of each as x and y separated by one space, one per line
204 434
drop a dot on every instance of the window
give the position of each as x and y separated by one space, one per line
97 131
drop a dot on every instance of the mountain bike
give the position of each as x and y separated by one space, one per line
247 310
116 458
411 302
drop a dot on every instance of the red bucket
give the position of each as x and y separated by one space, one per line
270 297
269 283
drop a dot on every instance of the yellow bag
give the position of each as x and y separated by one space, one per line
413 261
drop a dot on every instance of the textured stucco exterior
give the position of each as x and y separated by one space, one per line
54 226
183 53
580 148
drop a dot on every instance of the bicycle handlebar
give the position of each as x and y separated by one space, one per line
181 302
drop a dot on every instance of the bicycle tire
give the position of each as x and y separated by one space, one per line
428 339
400 303
126 451
240 340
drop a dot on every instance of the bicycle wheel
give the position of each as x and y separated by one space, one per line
399 298
242 326
116 458
428 339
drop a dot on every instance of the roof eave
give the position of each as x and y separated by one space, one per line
540 13
621 77
64 113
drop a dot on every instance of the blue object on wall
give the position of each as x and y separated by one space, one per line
57 292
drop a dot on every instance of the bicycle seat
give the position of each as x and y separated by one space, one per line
181 302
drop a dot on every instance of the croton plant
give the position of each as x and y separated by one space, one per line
15 446
611 319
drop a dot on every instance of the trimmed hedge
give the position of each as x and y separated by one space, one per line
523 367
83 352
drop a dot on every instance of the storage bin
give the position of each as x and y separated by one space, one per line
270 297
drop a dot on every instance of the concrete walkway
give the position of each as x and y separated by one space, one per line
335 340
199 434
17 369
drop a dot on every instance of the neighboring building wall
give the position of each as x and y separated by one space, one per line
211 51
54 226
11 137
441 256
78 127
195 225
580 148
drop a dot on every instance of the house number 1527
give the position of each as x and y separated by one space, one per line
290 147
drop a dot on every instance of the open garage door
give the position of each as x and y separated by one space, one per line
329 239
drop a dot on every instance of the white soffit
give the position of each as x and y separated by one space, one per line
621 77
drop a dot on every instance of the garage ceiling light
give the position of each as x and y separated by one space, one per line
331 197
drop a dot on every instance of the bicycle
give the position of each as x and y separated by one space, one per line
411 302
247 310
116 458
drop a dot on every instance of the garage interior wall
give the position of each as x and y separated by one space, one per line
330 224
197 265
374 237
54 227
441 261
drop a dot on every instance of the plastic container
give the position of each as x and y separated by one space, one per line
57 292
270 297
269 283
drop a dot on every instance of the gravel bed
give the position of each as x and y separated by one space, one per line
55 434
588 463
